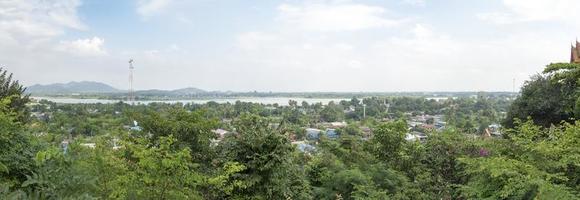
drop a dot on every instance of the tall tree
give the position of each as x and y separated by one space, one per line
16 150
190 129
567 76
12 90
265 166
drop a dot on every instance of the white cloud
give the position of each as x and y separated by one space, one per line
84 47
420 3
355 64
334 17
295 52
421 31
30 22
535 10
254 40
420 59
147 8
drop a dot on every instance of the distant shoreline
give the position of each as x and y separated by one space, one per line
305 95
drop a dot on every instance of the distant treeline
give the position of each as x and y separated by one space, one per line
208 95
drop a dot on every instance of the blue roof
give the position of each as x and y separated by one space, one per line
305 147
331 133
312 134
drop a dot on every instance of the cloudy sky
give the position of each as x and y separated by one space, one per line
287 45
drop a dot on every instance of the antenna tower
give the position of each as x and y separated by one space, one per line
131 96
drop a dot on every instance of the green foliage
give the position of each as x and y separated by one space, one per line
549 99
58 177
540 164
503 178
269 172
345 168
332 113
227 180
190 129
176 156
388 140
16 148
14 92
159 172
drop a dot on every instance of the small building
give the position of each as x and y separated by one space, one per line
331 133
220 133
135 127
304 147
493 130
312 133
89 145
366 132
416 136
64 146
338 124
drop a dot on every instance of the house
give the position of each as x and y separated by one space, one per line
331 133
312 133
220 133
89 145
416 136
493 130
40 116
332 124
413 123
428 127
367 132
440 124
338 124
64 145
304 147
135 127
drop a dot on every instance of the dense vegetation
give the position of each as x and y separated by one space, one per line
98 151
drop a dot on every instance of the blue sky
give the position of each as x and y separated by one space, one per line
287 45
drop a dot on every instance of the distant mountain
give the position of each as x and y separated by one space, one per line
88 87
188 91
72 87
179 92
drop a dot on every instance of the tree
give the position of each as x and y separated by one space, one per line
549 98
541 100
332 113
59 175
345 168
388 140
159 172
265 169
16 156
533 163
12 90
190 130
567 76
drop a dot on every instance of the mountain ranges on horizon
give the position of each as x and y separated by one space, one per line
91 87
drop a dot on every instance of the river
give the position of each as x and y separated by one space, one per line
264 100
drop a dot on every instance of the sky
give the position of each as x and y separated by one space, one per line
287 45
